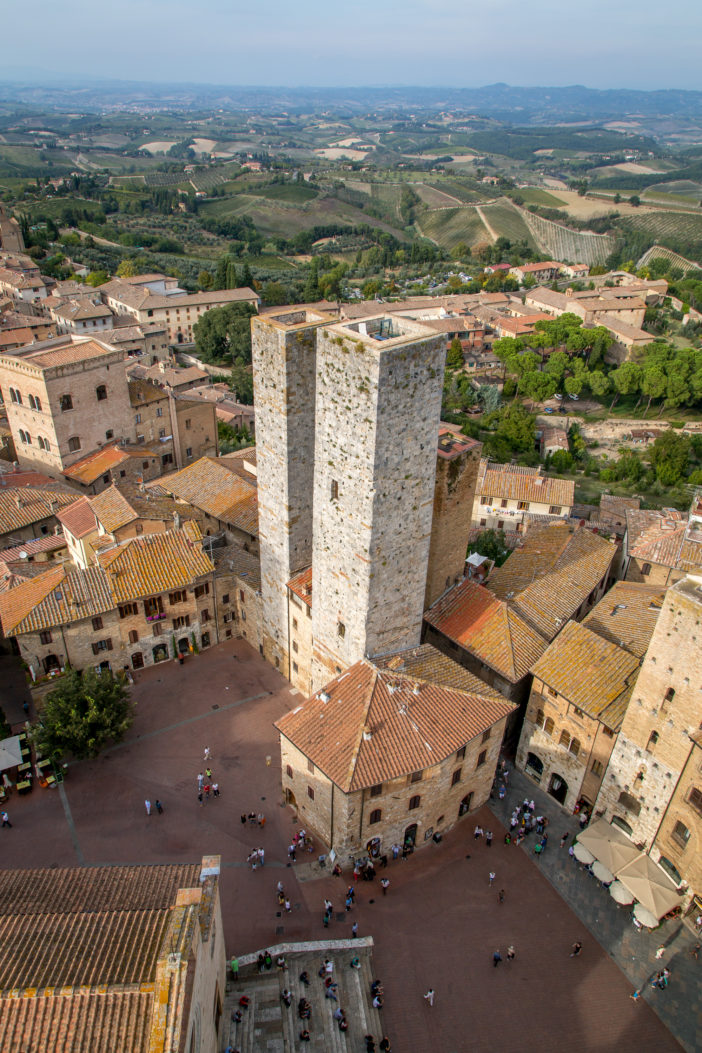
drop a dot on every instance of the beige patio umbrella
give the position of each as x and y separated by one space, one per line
10 753
620 893
583 854
609 845
601 873
645 917
650 885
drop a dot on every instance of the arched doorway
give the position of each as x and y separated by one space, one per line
137 660
558 788
160 652
410 836
51 662
373 847
534 766
183 645
465 805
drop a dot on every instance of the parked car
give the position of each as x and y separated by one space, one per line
549 409
558 396
575 398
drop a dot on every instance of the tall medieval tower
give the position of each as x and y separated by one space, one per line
284 363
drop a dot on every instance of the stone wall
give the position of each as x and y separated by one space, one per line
683 850
378 408
300 635
454 492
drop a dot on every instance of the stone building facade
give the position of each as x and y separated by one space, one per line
678 843
378 405
654 744
454 492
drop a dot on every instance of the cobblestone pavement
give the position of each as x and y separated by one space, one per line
680 1005
439 924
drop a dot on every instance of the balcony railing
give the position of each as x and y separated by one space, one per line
155 617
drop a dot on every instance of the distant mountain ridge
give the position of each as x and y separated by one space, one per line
503 102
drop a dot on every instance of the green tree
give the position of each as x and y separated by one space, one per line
561 461
653 384
670 455
96 278
677 390
224 333
556 364
82 714
514 433
241 382
626 380
127 269
205 280
491 543
454 356
274 294
311 293
599 384
538 386
573 385
489 395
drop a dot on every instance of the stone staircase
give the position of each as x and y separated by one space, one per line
268 1026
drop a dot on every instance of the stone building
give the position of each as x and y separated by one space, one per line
505 493
65 397
653 759
347 416
142 967
145 343
678 842
183 429
28 512
660 548
139 603
394 751
580 691
454 490
122 462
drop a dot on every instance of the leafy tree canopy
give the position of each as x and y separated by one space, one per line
83 714
491 543
224 333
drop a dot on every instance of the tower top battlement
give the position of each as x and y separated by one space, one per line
383 330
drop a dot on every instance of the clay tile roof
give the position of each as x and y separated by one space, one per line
301 585
627 615
244 565
67 354
592 673
114 507
141 391
78 519
92 466
371 725
213 488
553 571
58 597
656 537
427 663
507 481
34 505
156 563
488 628
49 543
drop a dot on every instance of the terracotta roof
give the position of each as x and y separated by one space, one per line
617 507
115 508
87 1020
20 507
64 353
141 391
244 565
553 571
239 462
301 585
595 675
155 563
488 628
138 567
50 543
658 537
78 518
427 663
100 462
507 481
213 488
627 615
371 725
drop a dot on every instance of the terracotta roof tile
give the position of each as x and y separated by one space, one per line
427 663
50 543
88 1020
592 673
67 352
58 597
371 725
155 563
22 506
549 576
216 490
244 565
627 615
506 481
93 465
301 585
661 537
115 508
487 627
78 519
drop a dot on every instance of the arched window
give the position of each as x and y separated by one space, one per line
74 443
414 802
549 726
32 403
564 739
646 569
41 442
575 747
37 403
540 718
622 824
376 815
16 396
652 740
101 392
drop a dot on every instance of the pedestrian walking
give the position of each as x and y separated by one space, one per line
488 838
147 805
215 789
243 819
510 953
261 820
564 839
354 930
207 753
207 790
288 908
492 877
496 959
199 797
429 996
208 772
349 903
159 807
328 906
660 952
261 856
501 896
5 819
577 948
234 966
385 885
478 832
291 853
396 849
200 780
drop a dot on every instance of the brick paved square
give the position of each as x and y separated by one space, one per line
438 925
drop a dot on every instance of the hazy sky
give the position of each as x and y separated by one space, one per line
603 43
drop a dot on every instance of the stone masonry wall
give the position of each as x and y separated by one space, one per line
378 410
454 492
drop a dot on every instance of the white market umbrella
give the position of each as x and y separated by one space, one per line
645 917
10 753
602 874
650 885
620 893
609 844
582 854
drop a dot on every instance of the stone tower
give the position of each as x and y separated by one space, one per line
284 357
454 492
377 412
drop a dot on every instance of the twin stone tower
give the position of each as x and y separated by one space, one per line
347 423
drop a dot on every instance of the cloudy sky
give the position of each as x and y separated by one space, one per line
601 44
